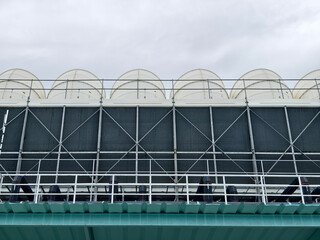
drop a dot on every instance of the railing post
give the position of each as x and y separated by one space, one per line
262 190
36 194
75 189
187 188
301 190
1 181
137 144
150 189
112 188
224 190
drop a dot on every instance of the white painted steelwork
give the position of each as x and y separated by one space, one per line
17 83
308 86
199 84
138 84
76 84
260 84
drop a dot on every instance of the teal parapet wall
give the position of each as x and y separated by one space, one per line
158 221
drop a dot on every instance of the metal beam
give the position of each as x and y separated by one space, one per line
60 142
137 142
18 169
213 146
175 155
96 178
253 151
22 139
290 139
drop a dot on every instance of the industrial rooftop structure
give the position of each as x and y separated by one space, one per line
152 157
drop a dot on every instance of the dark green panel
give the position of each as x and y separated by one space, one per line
299 119
84 138
113 138
307 164
161 137
30 163
276 165
161 163
13 130
195 136
193 163
268 138
37 138
234 163
76 163
236 138
117 163
8 163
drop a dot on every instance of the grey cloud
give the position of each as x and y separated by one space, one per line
166 37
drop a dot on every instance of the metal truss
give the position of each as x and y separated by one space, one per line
291 142
177 177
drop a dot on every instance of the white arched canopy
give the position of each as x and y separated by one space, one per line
77 84
260 84
138 84
16 84
308 87
199 84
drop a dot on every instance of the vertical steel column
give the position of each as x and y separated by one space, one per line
150 182
137 142
61 133
60 142
175 155
98 149
213 146
290 139
18 169
253 151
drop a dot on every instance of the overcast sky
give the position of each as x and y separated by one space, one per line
168 38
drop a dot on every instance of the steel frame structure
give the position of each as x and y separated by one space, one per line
212 155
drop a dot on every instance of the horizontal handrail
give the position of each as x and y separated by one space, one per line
114 188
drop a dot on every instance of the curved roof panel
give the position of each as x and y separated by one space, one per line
75 84
199 84
308 86
260 84
138 84
18 83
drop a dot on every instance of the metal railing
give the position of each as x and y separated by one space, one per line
158 188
